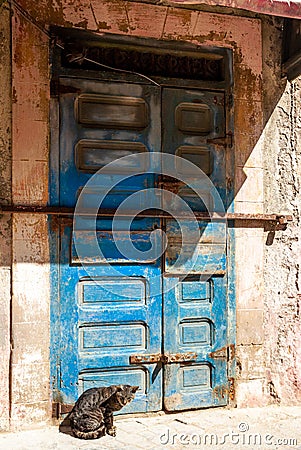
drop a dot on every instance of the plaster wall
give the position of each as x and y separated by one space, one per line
282 256
30 390
5 221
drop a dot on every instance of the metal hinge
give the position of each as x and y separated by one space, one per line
225 141
227 352
231 383
60 408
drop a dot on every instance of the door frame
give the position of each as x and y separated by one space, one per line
55 222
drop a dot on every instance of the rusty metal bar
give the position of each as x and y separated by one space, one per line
146 359
60 408
65 211
164 358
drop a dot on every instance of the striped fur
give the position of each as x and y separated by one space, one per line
92 414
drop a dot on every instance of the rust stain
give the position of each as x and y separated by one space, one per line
221 392
103 26
231 388
123 26
224 391
227 352
82 24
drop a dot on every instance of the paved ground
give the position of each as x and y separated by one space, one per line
256 428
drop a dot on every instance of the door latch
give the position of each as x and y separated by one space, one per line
164 358
146 359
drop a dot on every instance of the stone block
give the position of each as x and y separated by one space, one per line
249 326
30 227
30 182
248 150
248 117
30 343
249 207
249 289
250 394
111 16
250 362
249 184
240 33
249 254
31 139
30 383
31 300
142 16
27 415
79 14
180 24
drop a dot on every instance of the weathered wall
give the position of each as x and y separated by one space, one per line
30 284
282 150
5 221
30 390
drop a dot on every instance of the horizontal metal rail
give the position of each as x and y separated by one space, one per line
155 213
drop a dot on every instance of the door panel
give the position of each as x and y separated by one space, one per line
100 122
191 121
195 321
106 318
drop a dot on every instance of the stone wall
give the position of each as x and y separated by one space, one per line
30 378
282 256
5 221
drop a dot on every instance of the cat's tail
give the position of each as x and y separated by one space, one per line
95 434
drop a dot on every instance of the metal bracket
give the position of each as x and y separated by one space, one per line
227 352
225 141
231 382
60 408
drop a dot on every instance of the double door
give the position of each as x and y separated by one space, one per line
142 299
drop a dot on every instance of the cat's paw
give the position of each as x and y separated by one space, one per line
111 431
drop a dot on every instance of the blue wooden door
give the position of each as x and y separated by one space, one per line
142 321
108 312
195 291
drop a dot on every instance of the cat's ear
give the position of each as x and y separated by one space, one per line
135 388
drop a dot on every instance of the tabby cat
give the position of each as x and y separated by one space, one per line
92 414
